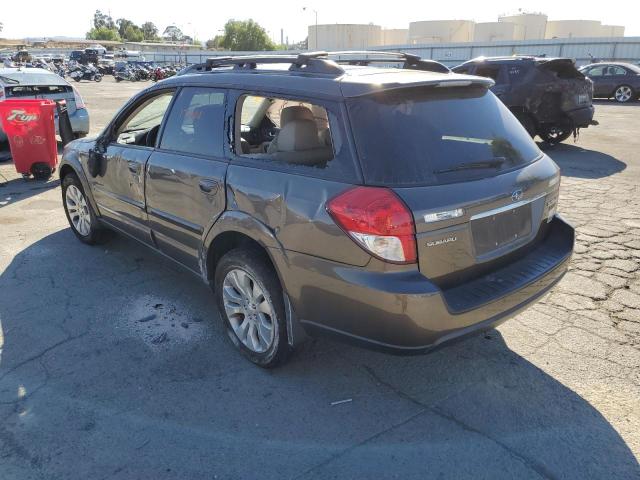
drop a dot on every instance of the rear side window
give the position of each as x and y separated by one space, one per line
288 131
517 73
492 71
196 122
428 135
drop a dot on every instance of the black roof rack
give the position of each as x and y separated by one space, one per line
410 61
311 62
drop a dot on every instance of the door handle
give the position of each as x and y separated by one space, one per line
208 186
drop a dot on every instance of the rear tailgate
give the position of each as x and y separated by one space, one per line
462 229
566 83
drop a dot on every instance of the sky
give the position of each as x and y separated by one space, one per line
72 18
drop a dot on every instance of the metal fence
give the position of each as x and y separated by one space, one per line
583 50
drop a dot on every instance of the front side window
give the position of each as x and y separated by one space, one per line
282 130
196 122
142 125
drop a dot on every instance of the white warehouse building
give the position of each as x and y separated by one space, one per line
441 31
344 36
498 31
574 29
534 25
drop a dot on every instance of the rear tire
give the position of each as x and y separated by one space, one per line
624 94
554 134
82 219
251 304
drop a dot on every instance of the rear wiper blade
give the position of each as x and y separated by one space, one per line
9 80
496 162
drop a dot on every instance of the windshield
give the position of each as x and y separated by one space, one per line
426 136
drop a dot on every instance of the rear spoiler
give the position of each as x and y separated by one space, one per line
448 81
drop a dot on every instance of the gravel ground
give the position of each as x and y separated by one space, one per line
113 363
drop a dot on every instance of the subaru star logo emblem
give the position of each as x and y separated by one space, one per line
516 195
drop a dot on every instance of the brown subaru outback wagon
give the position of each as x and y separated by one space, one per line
394 208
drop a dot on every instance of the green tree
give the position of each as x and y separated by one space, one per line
123 24
215 42
102 20
133 34
149 31
103 33
245 35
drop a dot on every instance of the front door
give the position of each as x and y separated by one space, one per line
119 190
185 185
602 86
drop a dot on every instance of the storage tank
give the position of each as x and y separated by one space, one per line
573 29
441 31
534 24
612 31
497 31
395 36
344 36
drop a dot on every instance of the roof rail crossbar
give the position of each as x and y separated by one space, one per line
311 62
410 61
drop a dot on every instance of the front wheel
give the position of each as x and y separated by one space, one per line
77 208
623 94
98 78
251 303
77 79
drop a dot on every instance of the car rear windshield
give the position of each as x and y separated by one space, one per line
430 135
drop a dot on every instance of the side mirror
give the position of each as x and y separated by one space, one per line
94 163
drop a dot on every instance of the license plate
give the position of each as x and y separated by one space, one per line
495 231
583 98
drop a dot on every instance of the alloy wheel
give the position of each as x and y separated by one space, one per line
78 210
250 312
623 94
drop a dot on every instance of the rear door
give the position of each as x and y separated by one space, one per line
185 186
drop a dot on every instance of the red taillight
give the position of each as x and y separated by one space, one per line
378 221
78 99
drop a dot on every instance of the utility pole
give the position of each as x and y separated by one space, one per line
316 34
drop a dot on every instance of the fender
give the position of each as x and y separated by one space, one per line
241 222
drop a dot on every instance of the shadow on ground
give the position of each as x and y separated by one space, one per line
114 364
575 161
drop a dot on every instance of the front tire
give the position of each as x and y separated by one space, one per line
82 219
251 304
623 94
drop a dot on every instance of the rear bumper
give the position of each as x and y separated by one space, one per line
582 117
405 313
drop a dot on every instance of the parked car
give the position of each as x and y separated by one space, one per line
550 97
42 84
396 209
620 81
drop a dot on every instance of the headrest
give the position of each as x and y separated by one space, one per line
298 135
296 112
